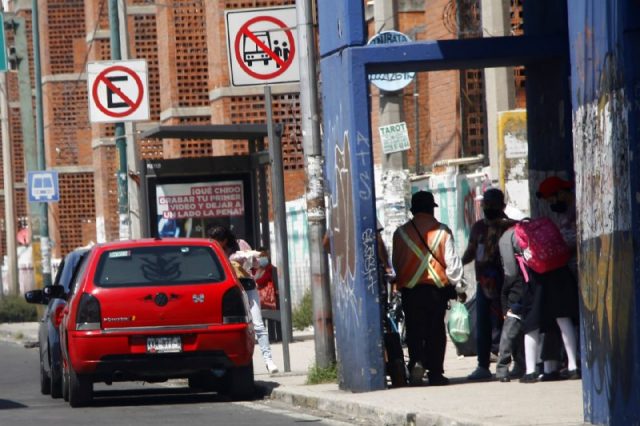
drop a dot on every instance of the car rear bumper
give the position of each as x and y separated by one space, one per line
158 366
117 355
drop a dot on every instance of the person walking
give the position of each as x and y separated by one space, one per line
484 250
428 274
243 258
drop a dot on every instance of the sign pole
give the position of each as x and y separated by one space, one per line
121 141
280 225
42 164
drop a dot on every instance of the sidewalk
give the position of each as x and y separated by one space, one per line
460 403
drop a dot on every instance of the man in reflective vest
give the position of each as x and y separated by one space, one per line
429 273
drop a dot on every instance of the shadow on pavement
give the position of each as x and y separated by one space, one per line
6 404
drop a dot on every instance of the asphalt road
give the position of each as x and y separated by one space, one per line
140 404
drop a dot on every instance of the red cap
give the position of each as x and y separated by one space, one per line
551 185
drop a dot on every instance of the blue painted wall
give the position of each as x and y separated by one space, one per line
605 90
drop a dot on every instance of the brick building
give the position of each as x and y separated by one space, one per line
184 44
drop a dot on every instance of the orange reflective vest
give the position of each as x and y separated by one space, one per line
417 265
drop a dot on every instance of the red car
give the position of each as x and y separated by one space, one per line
155 309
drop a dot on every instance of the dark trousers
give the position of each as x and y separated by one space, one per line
424 308
511 347
488 327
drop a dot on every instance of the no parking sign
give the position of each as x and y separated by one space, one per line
118 91
262 45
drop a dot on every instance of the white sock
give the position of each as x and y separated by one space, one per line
569 339
531 343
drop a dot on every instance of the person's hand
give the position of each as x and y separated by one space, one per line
462 297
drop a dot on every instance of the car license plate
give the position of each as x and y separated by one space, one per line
164 344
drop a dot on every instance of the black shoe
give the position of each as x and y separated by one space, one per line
438 380
574 374
505 379
551 377
516 373
416 374
529 378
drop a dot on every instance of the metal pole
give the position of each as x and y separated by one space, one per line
121 141
280 225
314 165
9 205
41 161
39 245
416 117
413 33
135 214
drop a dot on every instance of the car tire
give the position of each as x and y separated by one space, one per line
56 383
239 383
45 381
65 385
80 389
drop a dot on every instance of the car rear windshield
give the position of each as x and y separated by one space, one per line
159 265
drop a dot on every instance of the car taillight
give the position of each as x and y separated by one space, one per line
57 315
88 316
234 308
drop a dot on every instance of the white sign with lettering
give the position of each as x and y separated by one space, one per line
394 137
391 82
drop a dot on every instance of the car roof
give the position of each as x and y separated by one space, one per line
145 242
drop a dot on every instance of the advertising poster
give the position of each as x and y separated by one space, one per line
189 209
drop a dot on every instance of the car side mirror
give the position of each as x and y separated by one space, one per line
53 292
34 296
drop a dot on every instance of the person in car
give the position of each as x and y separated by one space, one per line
242 259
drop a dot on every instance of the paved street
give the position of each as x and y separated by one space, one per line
128 403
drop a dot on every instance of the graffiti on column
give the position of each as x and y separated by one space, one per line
343 229
601 143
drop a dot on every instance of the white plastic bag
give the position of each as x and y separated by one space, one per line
458 323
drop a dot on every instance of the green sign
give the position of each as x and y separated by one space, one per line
3 47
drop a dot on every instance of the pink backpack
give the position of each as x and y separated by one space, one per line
543 248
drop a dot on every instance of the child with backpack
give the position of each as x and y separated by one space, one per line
554 303
516 301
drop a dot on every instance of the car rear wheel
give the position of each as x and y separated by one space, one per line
65 385
80 389
56 383
239 382
45 381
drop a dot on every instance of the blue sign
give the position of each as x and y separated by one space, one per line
43 186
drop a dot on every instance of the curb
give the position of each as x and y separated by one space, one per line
349 409
363 412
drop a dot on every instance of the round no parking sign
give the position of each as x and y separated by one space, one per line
262 46
118 91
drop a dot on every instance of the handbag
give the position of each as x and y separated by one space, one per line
268 299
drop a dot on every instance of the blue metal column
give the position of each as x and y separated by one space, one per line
548 100
605 78
349 170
